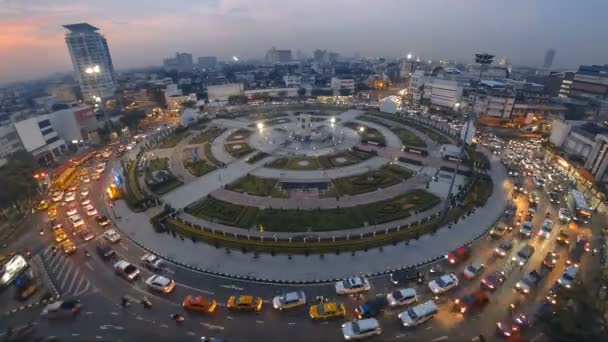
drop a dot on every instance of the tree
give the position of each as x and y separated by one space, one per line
17 179
301 92
131 118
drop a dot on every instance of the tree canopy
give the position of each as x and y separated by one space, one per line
17 179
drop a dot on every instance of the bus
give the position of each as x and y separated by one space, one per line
578 207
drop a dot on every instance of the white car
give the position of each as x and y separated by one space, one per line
85 202
443 284
70 196
289 300
84 193
76 221
473 270
152 262
361 329
352 285
91 211
111 235
402 297
126 270
160 283
71 211
86 179
568 277
101 167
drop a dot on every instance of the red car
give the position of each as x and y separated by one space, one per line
458 255
471 301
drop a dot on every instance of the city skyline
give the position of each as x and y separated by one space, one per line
143 36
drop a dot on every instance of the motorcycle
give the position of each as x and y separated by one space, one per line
179 318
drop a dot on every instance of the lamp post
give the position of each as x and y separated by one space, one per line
94 71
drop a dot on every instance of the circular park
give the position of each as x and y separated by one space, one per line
305 180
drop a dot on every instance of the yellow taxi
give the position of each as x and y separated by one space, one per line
327 311
245 303
43 205
52 212
60 235
68 246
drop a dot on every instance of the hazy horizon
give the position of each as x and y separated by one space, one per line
141 36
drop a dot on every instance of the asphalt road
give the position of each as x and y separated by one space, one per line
93 281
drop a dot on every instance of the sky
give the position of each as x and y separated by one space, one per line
143 32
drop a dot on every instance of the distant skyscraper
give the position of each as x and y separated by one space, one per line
181 62
549 56
91 60
278 56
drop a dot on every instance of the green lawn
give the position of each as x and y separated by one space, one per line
171 183
207 136
173 139
436 136
301 163
199 167
257 186
294 220
408 138
238 150
367 182
240 134
156 165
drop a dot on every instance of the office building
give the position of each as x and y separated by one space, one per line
207 62
418 88
445 93
589 81
91 60
75 124
548 61
274 56
342 85
9 142
181 62
40 139
292 81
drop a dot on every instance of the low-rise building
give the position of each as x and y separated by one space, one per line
40 139
221 93
445 93
292 81
271 92
341 84
9 142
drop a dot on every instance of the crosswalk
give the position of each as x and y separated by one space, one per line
66 275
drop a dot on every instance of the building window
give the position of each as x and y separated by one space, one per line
47 131
52 140
44 123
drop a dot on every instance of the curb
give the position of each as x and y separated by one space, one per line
30 305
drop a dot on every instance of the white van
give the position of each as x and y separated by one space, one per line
418 314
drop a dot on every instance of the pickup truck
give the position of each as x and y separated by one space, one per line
529 281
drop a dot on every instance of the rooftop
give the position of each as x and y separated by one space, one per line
81 27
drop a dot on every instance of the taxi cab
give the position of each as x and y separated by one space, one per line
52 212
245 303
68 246
43 205
60 235
327 311
199 304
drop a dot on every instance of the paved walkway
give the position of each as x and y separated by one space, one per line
430 143
416 182
218 150
314 268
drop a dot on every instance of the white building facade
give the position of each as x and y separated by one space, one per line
339 84
40 138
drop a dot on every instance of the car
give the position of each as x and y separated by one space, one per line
545 229
90 210
526 229
554 198
71 211
57 196
578 249
52 211
471 301
458 255
42 206
361 328
498 231
402 297
401 277
70 196
86 179
199 304
523 255
245 303
494 280
567 278
473 270
563 238
62 309
504 248
160 283
551 260
327 311
512 326
564 215
85 202
152 262
68 246
126 270
73 187
86 234
289 300
443 284
60 235
76 221
84 193
102 221
529 281
96 176
111 235
105 251
418 314
352 285
101 167
55 225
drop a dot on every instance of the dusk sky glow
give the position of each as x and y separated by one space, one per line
142 32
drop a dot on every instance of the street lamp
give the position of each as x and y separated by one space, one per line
260 125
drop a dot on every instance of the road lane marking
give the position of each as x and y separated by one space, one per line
325 322
114 313
259 322
123 246
139 318
212 326
75 334
67 276
441 338
98 337
195 289
232 287
164 326
56 265
428 328
88 313
291 323
73 281
89 266
190 333
229 317
476 338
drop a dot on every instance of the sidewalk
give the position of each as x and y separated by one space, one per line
314 268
